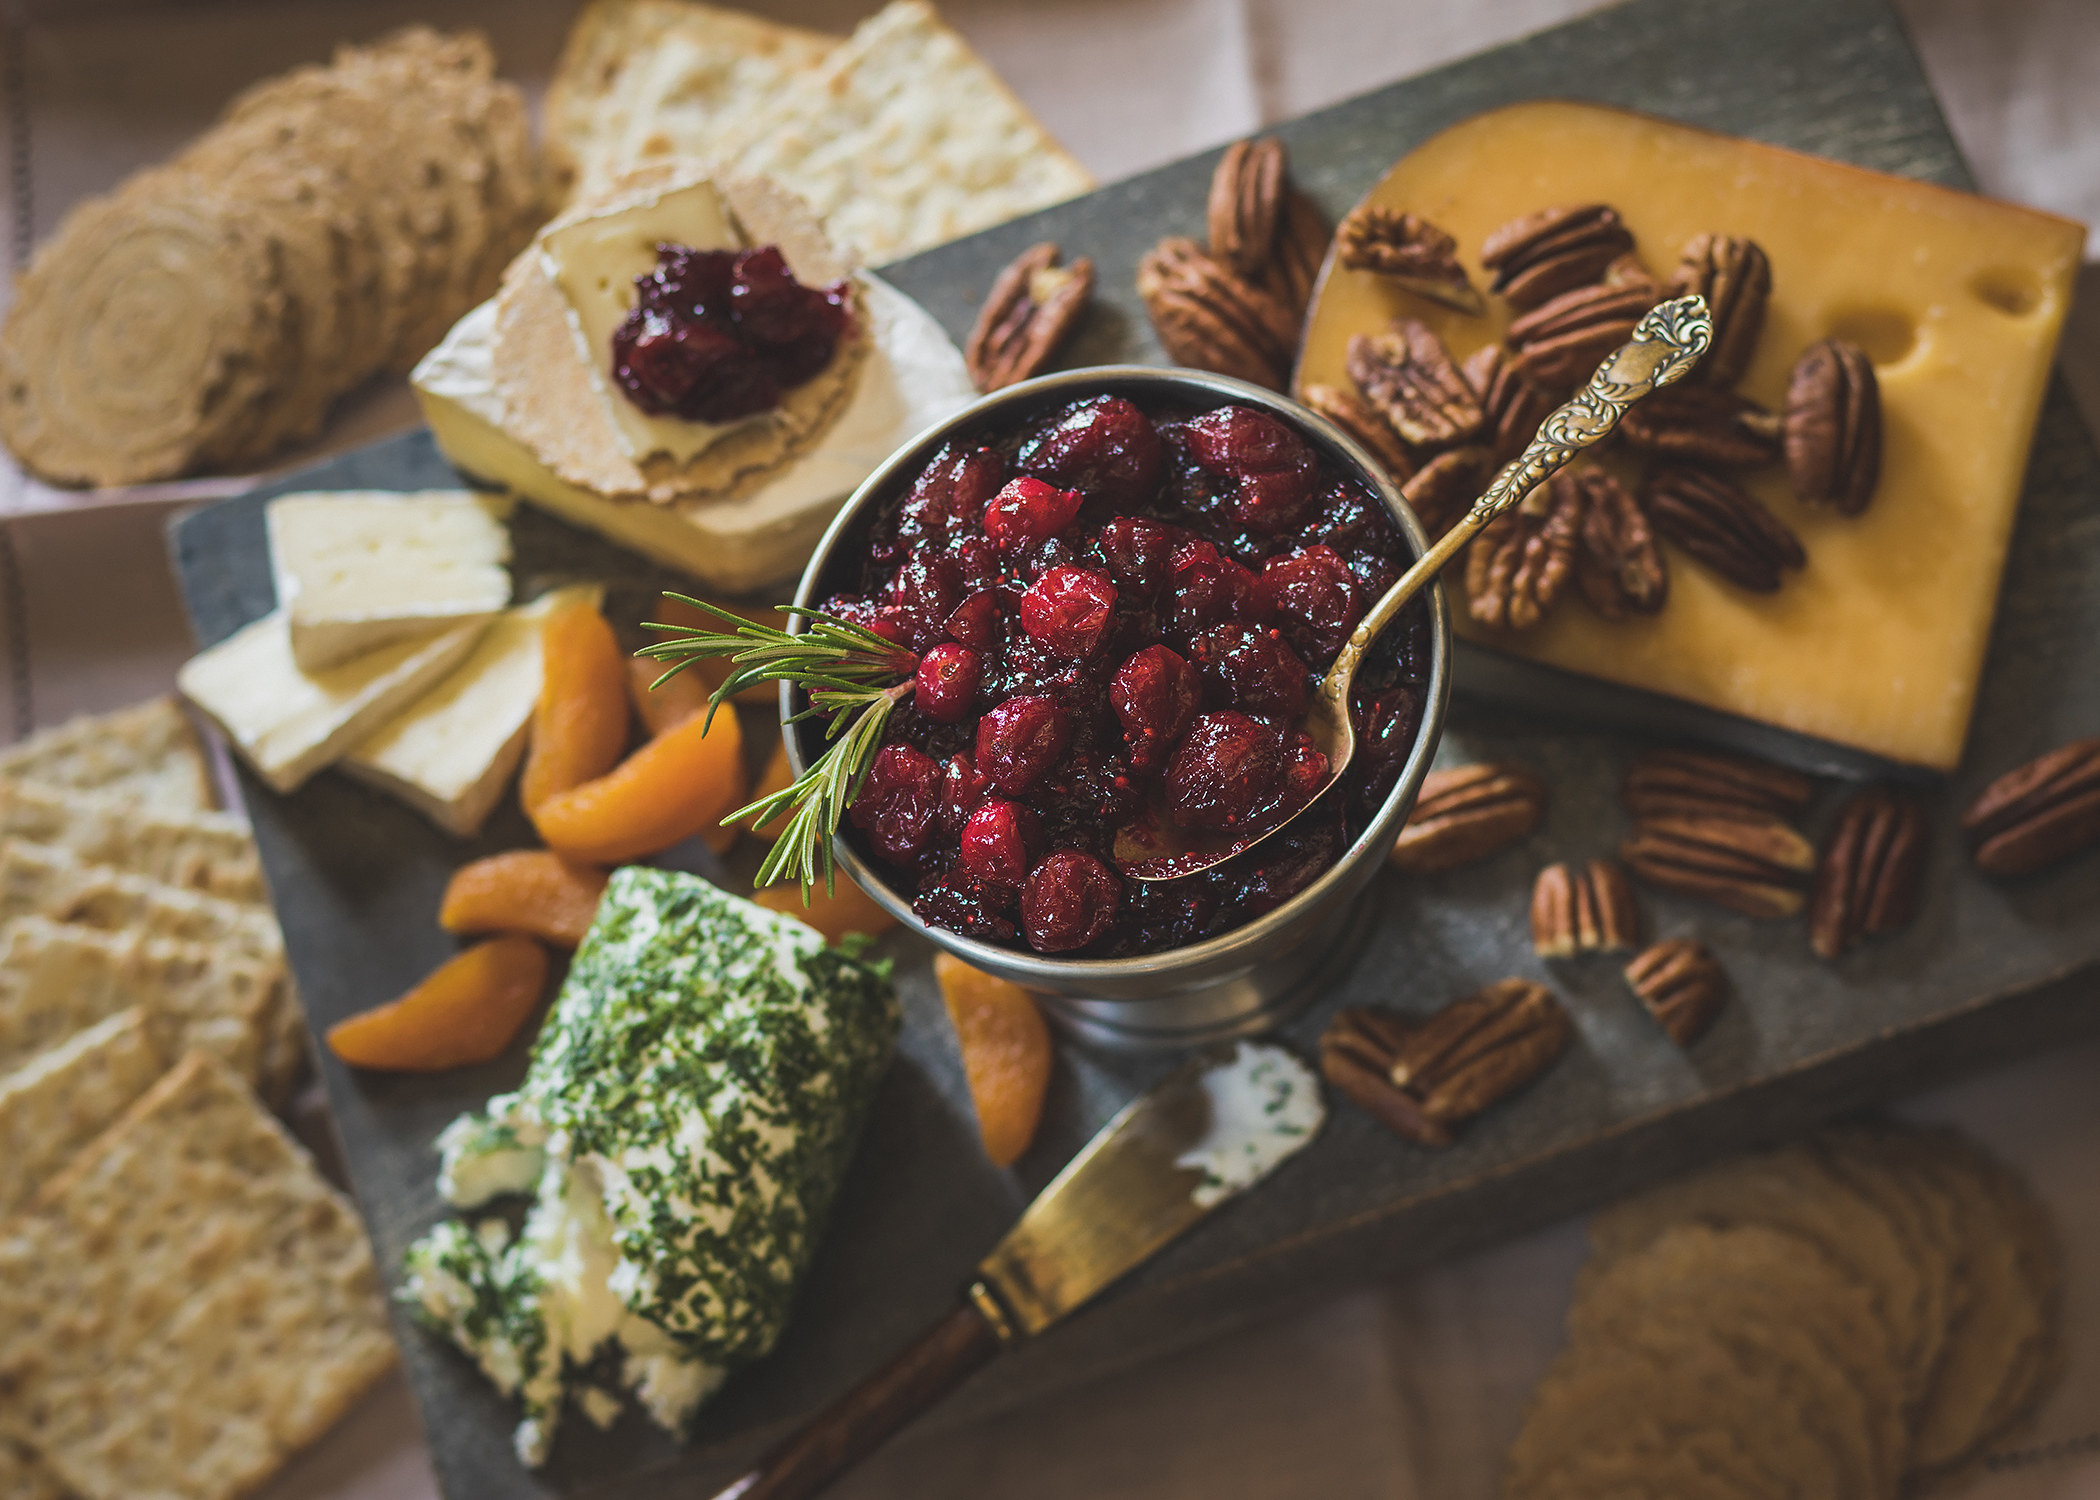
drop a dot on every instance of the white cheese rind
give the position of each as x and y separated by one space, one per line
288 724
360 569
913 377
450 754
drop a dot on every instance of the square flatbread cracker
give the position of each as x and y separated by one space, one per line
148 753
211 852
641 79
37 880
63 1098
904 138
187 1304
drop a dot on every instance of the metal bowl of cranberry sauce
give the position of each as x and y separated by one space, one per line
1122 584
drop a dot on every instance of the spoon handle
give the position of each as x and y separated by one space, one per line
1664 346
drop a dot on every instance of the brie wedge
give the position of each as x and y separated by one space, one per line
913 377
359 569
452 752
288 724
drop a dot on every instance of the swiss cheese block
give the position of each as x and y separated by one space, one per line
361 569
451 753
1879 642
288 724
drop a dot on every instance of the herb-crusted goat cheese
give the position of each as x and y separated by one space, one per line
690 1108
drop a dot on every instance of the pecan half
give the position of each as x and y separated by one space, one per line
1210 319
1513 406
1246 205
1724 526
1704 424
1681 983
1618 567
1756 866
1833 426
1406 372
1446 487
1586 910
2038 815
1412 253
1034 304
1735 278
1424 1078
1867 880
1362 421
1541 255
1518 564
1702 782
1559 343
1466 813
1301 245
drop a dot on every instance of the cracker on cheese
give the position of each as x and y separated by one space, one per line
147 753
64 1097
211 852
904 138
188 1303
642 79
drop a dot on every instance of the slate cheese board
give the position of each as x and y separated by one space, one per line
1987 972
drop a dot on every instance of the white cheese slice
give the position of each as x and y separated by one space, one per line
450 754
287 723
359 569
914 377
595 262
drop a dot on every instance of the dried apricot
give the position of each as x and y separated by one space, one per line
532 891
1006 1054
680 784
777 778
579 726
467 1011
713 671
851 909
672 704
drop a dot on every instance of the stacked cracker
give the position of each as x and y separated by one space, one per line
334 223
1854 1316
186 1301
901 137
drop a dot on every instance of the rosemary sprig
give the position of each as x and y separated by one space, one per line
851 674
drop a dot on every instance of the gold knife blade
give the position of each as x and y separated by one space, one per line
1213 1127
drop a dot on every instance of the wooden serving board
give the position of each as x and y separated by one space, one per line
1987 971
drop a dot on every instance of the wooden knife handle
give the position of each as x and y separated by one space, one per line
860 1421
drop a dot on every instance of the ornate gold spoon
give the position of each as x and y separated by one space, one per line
1665 345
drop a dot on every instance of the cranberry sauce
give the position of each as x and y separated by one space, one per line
1116 609
718 335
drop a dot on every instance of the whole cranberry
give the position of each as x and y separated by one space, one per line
1351 522
947 499
1020 740
1000 840
975 622
946 685
1304 770
1272 469
1068 610
1027 511
1314 597
974 908
1069 901
898 801
1253 671
1136 550
1207 590
1154 694
1104 447
1228 768
963 789
929 583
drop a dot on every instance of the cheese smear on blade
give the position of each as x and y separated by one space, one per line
691 1106
450 754
1264 1106
287 723
360 569
1878 643
913 377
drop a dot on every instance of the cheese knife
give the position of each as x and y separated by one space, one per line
1206 1132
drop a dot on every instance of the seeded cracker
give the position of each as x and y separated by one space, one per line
187 1304
23 1478
147 754
61 1099
903 139
210 852
40 881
